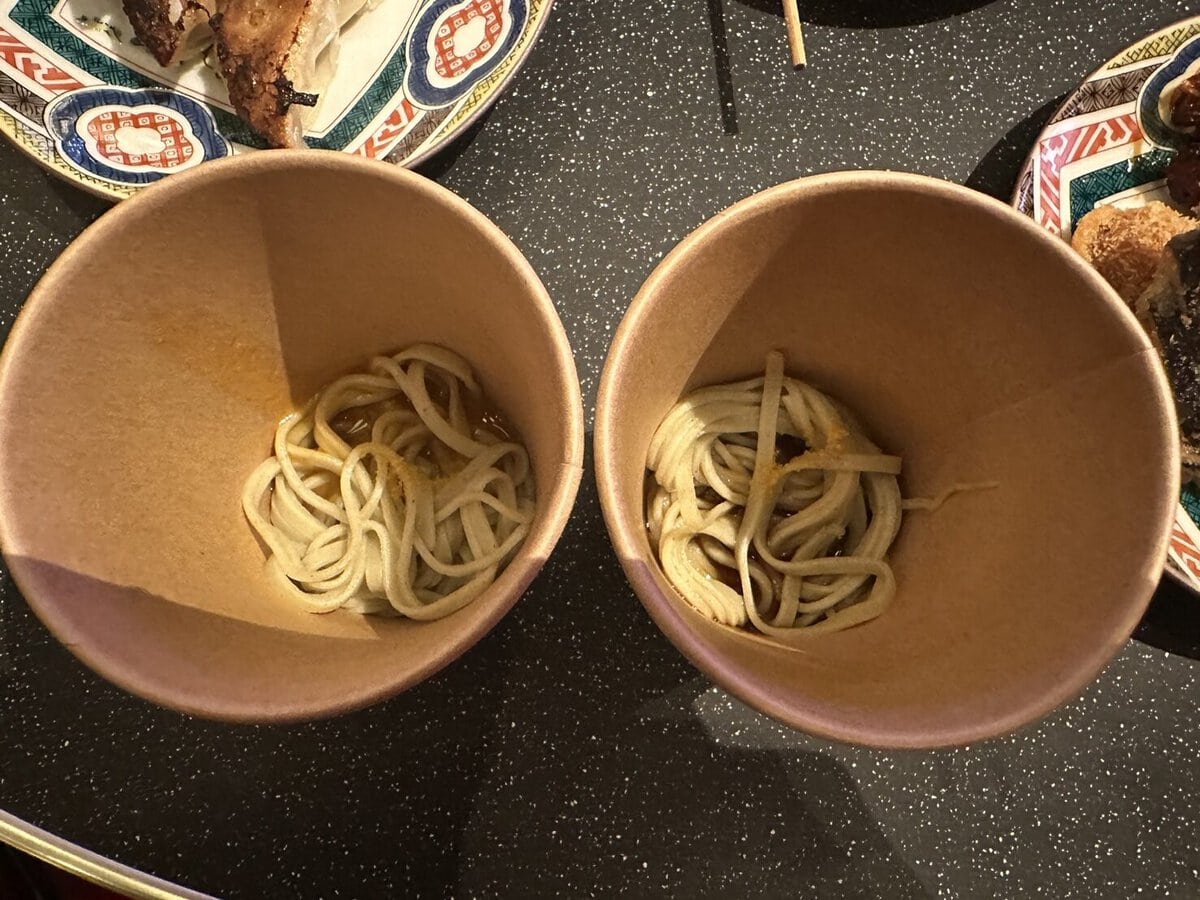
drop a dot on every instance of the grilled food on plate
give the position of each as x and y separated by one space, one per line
275 56
1124 245
1151 255
173 30
1170 311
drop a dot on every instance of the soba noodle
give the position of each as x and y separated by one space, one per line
392 491
770 507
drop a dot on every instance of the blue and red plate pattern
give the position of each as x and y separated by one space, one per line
87 101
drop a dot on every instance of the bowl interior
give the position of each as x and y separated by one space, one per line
144 381
977 349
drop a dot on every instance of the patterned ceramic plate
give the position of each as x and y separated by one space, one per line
80 96
1107 144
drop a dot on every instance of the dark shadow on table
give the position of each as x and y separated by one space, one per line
1172 622
443 160
996 174
25 180
799 814
871 13
616 770
87 207
726 95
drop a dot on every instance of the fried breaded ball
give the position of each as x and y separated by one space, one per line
1124 245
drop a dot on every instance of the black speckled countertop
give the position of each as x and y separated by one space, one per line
574 752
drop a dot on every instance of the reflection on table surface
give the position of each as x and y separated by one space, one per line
25 878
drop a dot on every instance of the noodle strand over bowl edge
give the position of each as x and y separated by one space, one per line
417 516
793 546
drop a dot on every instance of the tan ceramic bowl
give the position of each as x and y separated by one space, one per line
977 348
143 382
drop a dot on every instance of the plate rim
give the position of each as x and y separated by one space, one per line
491 100
115 193
89 865
1026 170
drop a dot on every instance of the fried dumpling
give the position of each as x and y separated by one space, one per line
277 57
172 30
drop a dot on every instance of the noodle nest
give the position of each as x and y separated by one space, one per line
770 507
415 515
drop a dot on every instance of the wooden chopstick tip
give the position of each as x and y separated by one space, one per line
795 32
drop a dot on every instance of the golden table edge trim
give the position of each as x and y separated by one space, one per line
92 866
